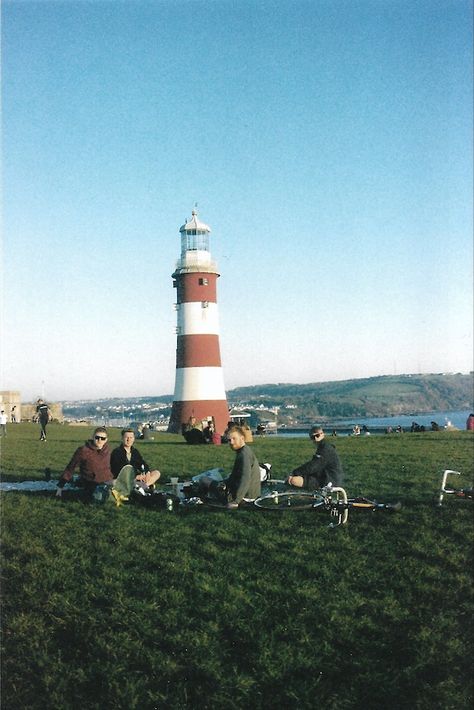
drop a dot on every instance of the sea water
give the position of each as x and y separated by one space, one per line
456 419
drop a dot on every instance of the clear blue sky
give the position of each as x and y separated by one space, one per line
328 144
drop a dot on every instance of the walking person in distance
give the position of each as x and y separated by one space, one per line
43 416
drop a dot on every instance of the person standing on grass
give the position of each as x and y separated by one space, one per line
3 422
325 466
43 416
127 455
93 460
244 480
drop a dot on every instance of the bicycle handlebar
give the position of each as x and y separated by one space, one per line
443 483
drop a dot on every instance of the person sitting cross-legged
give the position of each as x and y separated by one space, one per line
128 467
324 468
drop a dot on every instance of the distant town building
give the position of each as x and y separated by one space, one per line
10 399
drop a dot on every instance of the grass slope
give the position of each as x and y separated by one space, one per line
374 396
135 608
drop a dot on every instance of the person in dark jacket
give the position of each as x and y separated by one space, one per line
244 480
127 455
93 460
192 431
130 470
43 416
325 466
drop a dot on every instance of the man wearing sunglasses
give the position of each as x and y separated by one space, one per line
93 459
325 466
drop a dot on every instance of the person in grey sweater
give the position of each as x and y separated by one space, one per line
244 480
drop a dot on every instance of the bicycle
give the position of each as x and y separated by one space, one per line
458 492
186 495
330 498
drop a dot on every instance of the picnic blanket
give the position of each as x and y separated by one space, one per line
28 486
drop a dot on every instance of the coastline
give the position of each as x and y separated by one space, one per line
454 420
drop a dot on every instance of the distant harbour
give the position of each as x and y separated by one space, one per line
343 426
379 425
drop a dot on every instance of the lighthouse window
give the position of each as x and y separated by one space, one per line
195 240
203 282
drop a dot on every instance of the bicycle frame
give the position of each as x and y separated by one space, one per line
331 498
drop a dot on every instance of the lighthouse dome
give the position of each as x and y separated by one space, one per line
195 226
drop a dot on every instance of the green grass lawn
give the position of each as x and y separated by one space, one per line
139 609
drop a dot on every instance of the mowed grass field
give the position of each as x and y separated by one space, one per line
138 609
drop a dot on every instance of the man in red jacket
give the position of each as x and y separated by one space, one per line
93 460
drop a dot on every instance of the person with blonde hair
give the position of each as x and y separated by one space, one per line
244 480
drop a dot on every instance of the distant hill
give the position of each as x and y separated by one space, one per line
389 395
371 397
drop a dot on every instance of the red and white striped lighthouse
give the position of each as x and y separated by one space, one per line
199 386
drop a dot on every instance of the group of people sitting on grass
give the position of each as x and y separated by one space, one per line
124 470
120 470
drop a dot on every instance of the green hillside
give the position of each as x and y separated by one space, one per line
371 397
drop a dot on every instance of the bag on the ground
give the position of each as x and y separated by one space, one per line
101 493
265 472
213 474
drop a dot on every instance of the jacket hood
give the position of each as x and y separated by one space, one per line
104 450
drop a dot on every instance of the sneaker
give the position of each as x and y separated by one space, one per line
141 491
195 500
118 498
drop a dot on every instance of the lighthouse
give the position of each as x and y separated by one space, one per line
199 385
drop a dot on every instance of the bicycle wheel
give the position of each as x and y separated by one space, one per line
269 487
290 500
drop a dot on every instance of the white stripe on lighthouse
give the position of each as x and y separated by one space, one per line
196 383
194 318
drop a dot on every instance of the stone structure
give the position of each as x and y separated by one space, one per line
8 400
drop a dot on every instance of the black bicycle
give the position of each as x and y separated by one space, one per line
277 496
330 498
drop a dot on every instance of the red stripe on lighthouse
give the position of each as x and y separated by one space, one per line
198 351
196 286
201 409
